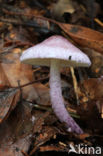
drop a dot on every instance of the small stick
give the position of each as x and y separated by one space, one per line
30 83
75 84
98 21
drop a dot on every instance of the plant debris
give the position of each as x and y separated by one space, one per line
28 126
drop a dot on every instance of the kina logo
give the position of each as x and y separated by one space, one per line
85 149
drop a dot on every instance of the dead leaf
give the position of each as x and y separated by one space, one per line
43 93
21 38
16 71
16 131
16 148
40 122
93 90
47 133
97 62
83 36
8 101
3 79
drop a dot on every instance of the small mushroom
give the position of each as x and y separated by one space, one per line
57 52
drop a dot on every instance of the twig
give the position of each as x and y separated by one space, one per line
75 84
30 83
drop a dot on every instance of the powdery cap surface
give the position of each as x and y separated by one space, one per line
55 47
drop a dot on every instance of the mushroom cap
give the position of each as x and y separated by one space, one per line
58 48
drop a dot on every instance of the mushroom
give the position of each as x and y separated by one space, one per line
57 52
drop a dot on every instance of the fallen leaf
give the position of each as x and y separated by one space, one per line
16 148
43 93
47 133
8 101
94 90
83 36
93 87
16 71
3 79
21 38
97 62
40 122
16 131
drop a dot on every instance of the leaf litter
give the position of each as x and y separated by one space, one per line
27 123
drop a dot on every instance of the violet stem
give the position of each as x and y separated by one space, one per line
58 101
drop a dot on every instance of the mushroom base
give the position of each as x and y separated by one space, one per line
58 101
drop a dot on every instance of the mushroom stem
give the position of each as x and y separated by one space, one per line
57 99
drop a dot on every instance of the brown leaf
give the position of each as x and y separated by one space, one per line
40 122
93 88
97 62
3 79
16 132
16 148
85 37
47 133
21 38
16 71
8 101
43 93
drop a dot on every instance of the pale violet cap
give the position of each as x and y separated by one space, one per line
55 47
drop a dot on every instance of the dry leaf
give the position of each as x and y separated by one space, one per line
16 132
85 37
8 101
43 93
93 88
40 122
16 148
46 135
21 38
3 79
97 62
16 71
94 91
